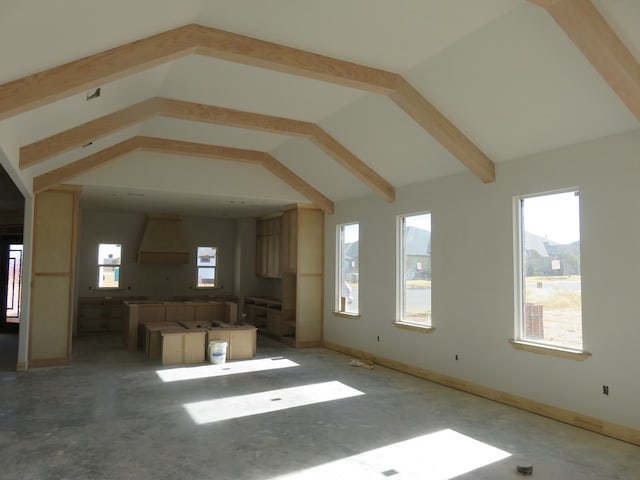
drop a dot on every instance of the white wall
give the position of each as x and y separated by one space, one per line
473 279
153 281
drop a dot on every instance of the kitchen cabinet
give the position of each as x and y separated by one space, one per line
296 318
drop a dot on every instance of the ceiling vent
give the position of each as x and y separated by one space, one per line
163 241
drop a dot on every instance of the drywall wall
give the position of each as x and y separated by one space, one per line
154 281
473 279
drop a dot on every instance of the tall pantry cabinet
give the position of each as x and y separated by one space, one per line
290 247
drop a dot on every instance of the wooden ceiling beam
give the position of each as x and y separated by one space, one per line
37 152
74 77
593 36
445 132
90 72
177 147
73 169
75 137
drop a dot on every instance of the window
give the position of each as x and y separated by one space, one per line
206 265
414 269
549 290
109 260
348 268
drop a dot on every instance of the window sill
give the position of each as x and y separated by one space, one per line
413 327
549 350
353 316
109 289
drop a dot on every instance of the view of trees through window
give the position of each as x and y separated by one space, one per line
551 309
415 269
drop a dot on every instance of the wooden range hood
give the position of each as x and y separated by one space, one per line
163 241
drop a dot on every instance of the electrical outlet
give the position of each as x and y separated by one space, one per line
605 389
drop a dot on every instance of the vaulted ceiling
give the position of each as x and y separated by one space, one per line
238 107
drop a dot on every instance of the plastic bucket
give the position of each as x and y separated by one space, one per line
217 351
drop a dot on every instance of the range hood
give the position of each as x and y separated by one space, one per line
163 241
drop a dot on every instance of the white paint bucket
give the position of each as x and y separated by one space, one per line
217 351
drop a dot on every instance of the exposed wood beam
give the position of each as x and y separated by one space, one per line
258 53
353 164
89 72
75 137
177 147
297 183
445 132
591 33
73 77
73 169
37 152
199 112
284 126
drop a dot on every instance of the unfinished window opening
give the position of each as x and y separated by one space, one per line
109 260
206 262
348 268
549 291
414 269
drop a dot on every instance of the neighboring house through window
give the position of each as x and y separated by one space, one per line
348 268
206 262
109 260
414 269
549 293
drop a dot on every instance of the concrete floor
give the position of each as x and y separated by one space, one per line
110 416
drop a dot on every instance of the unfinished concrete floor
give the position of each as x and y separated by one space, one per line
111 416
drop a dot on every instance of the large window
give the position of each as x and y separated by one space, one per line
206 262
414 269
109 260
348 268
549 291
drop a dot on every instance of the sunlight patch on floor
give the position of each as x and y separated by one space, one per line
239 406
206 371
442 455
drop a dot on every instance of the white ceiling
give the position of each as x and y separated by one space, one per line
501 70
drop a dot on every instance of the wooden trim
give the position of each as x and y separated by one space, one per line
443 131
352 316
297 183
591 33
21 367
73 169
71 78
413 328
49 362
40 151
549 350
603 427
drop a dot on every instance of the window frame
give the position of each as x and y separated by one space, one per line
338 308
400 321
215 268
100 265
520 341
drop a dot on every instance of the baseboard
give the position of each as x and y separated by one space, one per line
48 362
21 367
596 425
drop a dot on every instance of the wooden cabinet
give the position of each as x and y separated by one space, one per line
101 314
268 247
296 318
